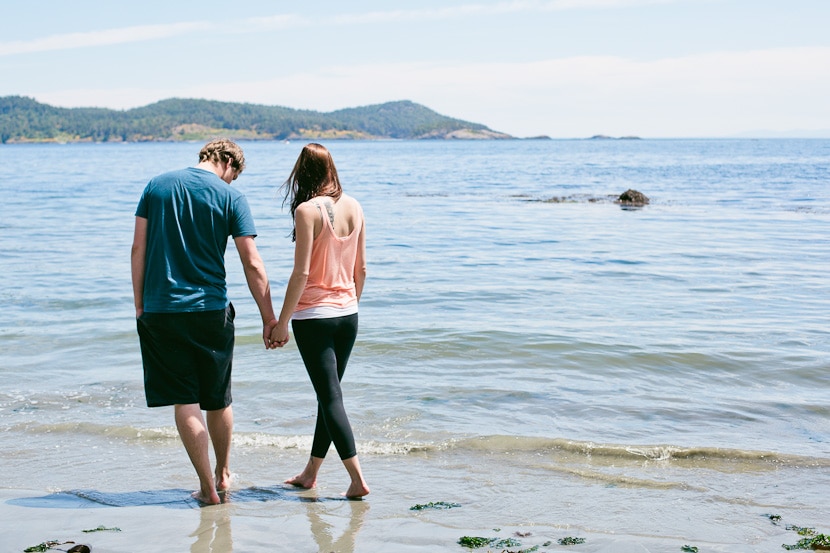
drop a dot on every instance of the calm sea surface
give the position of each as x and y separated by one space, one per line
661 374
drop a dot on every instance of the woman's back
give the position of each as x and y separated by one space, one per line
345 214
337 265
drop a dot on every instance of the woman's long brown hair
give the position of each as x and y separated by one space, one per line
313 175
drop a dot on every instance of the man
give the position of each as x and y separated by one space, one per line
184 318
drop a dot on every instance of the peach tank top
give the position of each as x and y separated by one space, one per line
330 289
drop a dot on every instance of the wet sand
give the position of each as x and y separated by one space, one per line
532 505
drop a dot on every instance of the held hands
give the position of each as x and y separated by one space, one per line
275 334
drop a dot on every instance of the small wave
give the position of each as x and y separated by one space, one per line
564 451
258 439
369 447
240 439
91 429
624 481
557 450
722 459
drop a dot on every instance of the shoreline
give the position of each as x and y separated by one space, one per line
458 500
305 523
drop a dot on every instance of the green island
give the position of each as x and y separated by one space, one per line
24 120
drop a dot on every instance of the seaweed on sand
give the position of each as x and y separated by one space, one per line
811 539
46 546
434 505
51 544
102 528
475 542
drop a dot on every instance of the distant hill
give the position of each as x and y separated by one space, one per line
23 119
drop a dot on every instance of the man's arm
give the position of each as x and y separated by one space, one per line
304 219
138 260
258 284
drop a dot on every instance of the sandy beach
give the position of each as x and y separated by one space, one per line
545 496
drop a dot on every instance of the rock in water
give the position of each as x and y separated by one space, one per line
632 197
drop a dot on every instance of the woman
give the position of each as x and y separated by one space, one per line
321 301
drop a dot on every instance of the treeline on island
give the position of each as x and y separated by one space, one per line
23 119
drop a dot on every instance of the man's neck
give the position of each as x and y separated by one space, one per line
214 168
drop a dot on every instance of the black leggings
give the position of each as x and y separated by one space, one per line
325 346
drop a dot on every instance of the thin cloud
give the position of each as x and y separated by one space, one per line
719 93
271 22
144 33
468 10
140 33
454 12
591 4
707 94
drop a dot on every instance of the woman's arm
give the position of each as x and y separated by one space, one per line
360 261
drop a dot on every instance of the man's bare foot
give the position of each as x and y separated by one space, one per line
211 498
303 481
357 490
223 481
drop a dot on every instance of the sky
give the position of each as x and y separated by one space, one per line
560 68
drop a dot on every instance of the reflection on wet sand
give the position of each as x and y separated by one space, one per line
214 531
334 522
324 532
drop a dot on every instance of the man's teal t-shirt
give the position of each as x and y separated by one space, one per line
190 214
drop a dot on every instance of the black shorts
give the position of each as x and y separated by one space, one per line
187 357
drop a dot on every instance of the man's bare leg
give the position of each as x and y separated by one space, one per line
358 487
194 435
308 478
220 428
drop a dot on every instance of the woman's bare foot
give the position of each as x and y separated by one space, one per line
308 478
357 490
302 480
358 487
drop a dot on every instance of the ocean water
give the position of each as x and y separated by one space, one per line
553 363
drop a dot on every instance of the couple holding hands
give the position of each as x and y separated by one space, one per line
185 319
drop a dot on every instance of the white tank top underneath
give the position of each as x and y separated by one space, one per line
324 312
